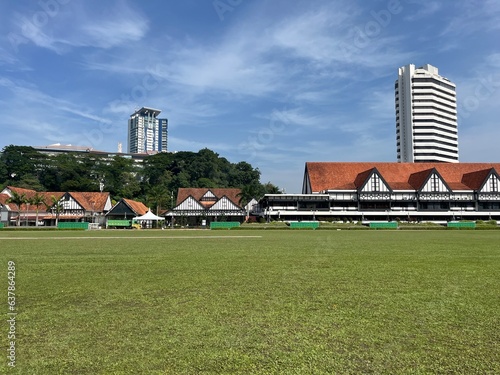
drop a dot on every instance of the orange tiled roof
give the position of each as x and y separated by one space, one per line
3 199
29 193
399 176
138 207
198 193
362 177
91 201
476 179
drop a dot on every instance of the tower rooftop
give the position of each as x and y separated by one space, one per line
146 111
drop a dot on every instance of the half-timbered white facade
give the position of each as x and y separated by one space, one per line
70 206
197 204
81 206
386 191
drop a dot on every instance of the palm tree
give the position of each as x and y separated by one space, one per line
247 193
18 200
158 196
37 200
55 205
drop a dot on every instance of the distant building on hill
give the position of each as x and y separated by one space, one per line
57 149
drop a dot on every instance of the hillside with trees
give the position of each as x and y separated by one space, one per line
155 182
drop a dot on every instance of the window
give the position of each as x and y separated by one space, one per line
375 183
434 183
493 184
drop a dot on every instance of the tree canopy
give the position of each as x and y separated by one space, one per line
155 182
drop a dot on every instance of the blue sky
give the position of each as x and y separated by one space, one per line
275 83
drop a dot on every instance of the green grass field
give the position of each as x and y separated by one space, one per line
254 302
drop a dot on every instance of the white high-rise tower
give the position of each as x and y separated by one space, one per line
146 132
426 116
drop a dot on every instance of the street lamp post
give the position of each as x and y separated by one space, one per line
172 209
27 212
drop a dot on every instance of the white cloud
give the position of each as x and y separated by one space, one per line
77 25
472 17
426 10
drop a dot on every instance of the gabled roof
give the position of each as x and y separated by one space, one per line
91 201
138 207
192 203
18 190
362 178
399 176
475 180
417 180
224 203
435 172
49 194
3 199
28 193
198 193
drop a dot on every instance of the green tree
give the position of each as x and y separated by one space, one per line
37 200
248 192
21 165
55 206
270 188
18 200
158 196
243 174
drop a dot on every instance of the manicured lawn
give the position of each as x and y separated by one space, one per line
275 302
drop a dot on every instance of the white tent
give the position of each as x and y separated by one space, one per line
148 216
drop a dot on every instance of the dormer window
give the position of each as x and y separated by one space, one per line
208 199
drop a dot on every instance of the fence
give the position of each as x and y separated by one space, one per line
461 224
304 224
119 223
384 225
224 224
72 225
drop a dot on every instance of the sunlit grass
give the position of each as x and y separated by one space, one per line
306 302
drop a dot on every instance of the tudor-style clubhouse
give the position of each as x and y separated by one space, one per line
391 191
197 204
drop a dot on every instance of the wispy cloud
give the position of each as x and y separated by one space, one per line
277 83
472 17
30 94
75 25
427 9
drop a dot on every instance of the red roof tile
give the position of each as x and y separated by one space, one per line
198 193
28 193
362 177
91 201
138 207
399 176
476 179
